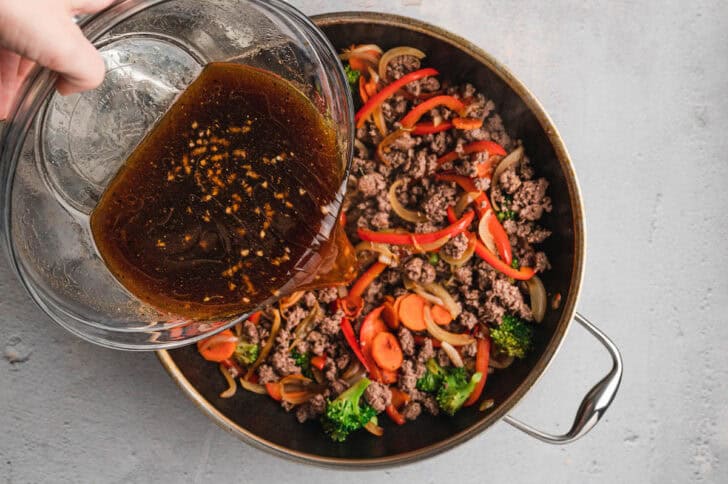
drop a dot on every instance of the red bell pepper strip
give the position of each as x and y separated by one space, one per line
482 205
408 238
411 118
350 337
481 365
318 361
361 284
394 414
522 274
466 183
467 123
255 317
428 127
388 91
274 390
491 147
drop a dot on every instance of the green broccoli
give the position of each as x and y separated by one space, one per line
246 353
430 381
304 361
455 389
352 76
346 414
513 336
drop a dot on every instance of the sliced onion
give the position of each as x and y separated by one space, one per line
352 369
275 327
232 387
383 146
448 301
397 52
360 51
463 259
489 403
296 397
381 249
455 339
512 159
318 375
379 121
399 209
464 201
415 287
484 232
453 354
343 291
537 295
288 301
432 246
374 429
253 387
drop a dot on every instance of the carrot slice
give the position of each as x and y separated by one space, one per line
440 315
412 312
387 352
389 377
371 327
219 347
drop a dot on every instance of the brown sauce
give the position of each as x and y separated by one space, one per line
223 204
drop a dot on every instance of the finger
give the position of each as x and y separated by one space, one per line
77 61
9 62
88 6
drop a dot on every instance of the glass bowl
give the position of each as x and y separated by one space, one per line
59 153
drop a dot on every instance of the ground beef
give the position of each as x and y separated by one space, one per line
309 299
338 386
430 404
494 125
464 274
371 184
439 142
419 271
406 341
527 231
530 200
401 65
311 409
266 374
509 182
287 406
317 342
510 296
250 332
373 292
328 295
377 395
330 370
330 325
455 247
442 358
471 297
390 277
411 411
283 364
468 319
426 351
283 338
439 197
542 262
416 166
469 350
409 373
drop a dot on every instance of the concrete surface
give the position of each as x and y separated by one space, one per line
638 90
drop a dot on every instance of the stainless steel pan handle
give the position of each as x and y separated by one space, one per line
594 404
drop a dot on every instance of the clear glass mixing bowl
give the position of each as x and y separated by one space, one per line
59 153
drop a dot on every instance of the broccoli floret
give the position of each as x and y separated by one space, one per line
346 413
513 336
430 381
246 353
455 389
352 76
304 361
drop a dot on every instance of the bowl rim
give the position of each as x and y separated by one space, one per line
569 304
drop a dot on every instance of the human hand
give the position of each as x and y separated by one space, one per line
43 32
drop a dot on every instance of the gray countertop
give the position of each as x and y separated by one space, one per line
638 91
